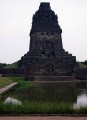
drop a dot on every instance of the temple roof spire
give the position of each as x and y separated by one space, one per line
45 19
44 5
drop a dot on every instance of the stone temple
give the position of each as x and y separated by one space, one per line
46 56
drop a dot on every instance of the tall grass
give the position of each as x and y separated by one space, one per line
36 108
40 108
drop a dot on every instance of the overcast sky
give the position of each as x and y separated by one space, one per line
16 20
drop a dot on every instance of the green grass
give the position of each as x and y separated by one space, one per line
81 65
40 108
5 81
13 65
36 108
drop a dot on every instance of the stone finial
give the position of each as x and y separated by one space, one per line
44 5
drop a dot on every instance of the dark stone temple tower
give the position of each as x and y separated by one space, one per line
46 56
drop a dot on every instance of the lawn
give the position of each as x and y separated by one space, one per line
81 65
7 80
13 65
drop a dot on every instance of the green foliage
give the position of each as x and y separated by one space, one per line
14 65
3 65
82 65
40 108
85 77
36 108
17 79
85 62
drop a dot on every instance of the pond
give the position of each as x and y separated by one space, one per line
74 93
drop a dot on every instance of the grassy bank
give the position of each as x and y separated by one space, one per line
40 108
5 81
13 65
81 65
8 80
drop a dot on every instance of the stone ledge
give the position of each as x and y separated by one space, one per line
6 88
51 78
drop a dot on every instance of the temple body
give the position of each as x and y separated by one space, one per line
46 55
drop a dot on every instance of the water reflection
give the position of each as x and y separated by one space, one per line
74 93
81 99
46 92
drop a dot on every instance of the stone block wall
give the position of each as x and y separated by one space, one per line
11 72
80 73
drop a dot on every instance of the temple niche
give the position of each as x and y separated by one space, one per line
46 56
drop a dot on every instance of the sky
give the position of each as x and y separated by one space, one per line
16 21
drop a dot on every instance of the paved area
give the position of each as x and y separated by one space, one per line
6 88
41 118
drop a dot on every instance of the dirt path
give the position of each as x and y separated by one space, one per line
41 118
